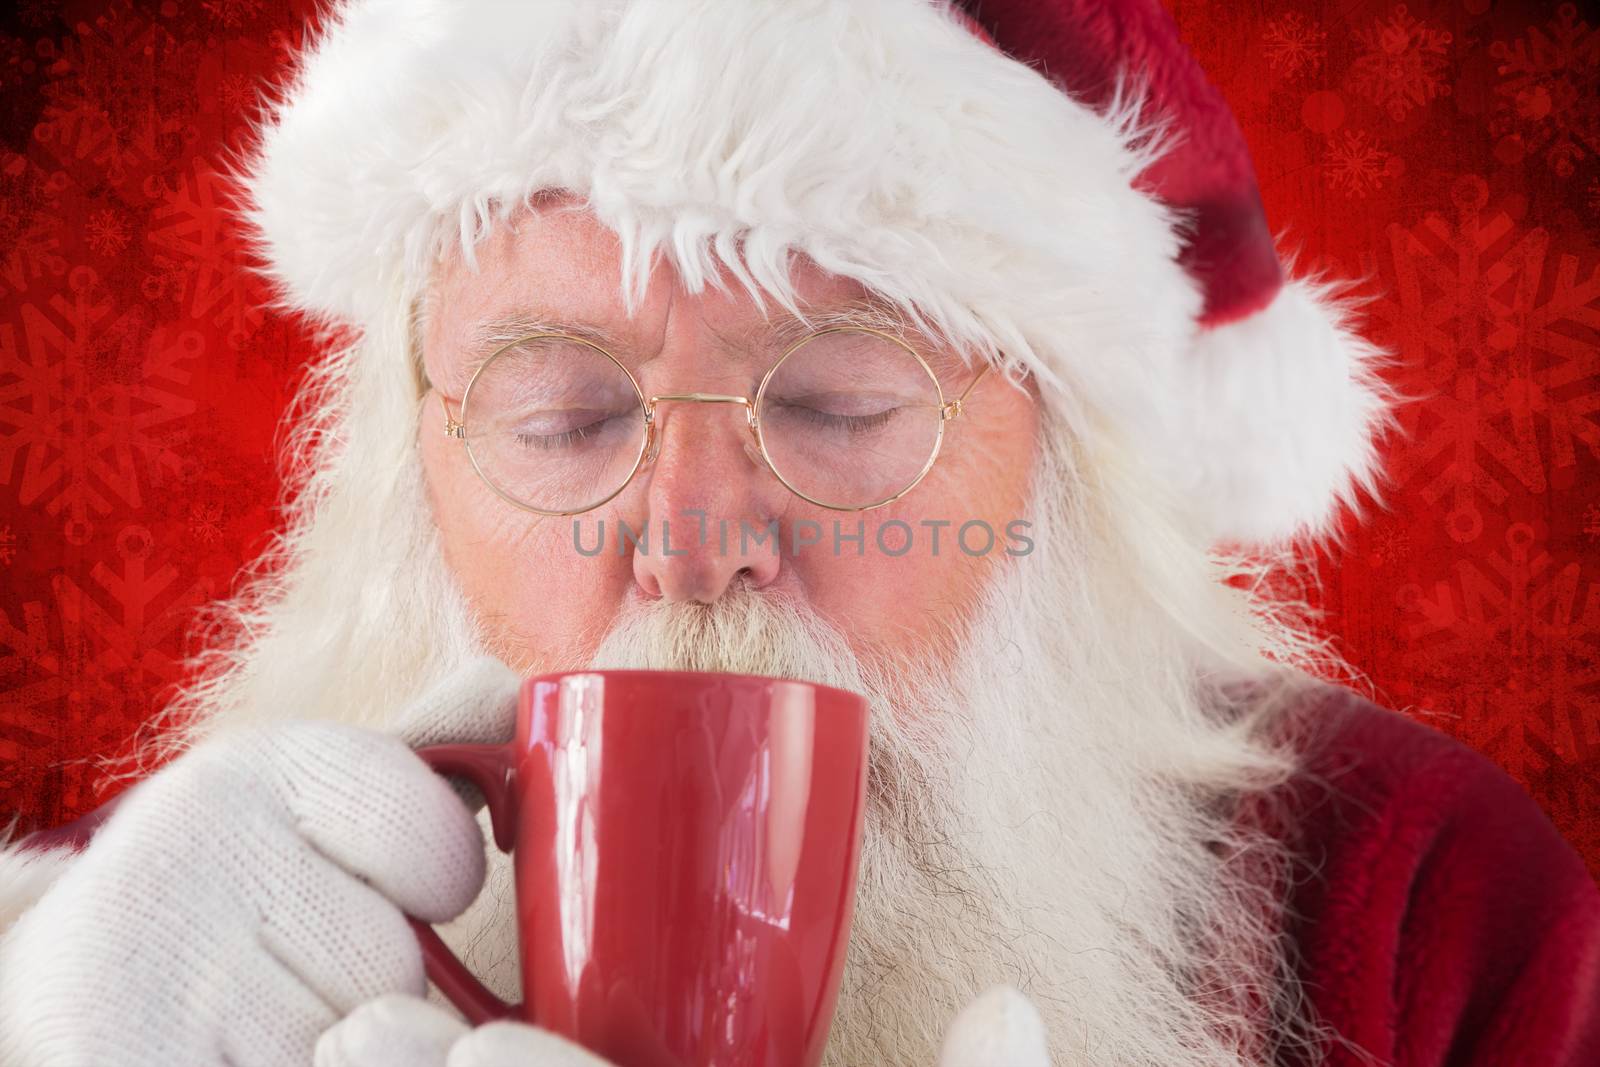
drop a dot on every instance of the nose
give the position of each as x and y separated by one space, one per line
711 517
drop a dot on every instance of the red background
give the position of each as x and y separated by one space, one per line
1445 151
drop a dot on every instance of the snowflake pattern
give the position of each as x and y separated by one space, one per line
106 232
1571 795
1293 44
1354 164
30 226
107 114
71 666
232 13
83 403
197 246
205 520
14 63
1389 544
33 13
1549 93
1518 638
1490 322
237 94
1403 63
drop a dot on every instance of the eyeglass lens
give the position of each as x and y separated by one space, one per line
849 419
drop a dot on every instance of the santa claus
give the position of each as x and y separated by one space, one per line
975 321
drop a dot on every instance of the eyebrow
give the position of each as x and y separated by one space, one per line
870 312
764 335
499 332
491 336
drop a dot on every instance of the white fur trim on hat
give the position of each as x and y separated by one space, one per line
877 137
1275 421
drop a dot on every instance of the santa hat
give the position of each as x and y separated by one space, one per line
1052 183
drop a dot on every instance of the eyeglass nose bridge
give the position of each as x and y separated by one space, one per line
653 443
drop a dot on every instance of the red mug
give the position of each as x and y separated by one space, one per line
685 848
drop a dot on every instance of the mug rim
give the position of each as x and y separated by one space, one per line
637 672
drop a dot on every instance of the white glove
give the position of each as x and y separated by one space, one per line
244 898
1001 1028
403 1031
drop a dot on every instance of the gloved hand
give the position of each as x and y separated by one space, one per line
244 898
999 1029
403 1031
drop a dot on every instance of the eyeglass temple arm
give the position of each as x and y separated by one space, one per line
953 408
452 428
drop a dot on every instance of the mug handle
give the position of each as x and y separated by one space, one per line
492 769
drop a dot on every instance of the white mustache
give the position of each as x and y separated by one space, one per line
743 632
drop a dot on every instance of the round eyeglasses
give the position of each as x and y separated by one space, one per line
850 418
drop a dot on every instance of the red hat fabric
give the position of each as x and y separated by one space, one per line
1084 46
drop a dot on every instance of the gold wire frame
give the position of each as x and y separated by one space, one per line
948 410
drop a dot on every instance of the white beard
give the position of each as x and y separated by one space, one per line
1030 822
1048 794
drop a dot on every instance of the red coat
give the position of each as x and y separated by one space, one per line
1440 919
